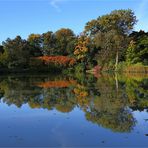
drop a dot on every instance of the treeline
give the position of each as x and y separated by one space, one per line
108 41
19 53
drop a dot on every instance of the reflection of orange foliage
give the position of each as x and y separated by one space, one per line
82 49
64 108
80 92
61 60
81 95
62 83
34 104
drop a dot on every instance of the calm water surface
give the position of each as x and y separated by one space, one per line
74 111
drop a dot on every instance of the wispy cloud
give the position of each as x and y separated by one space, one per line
56 4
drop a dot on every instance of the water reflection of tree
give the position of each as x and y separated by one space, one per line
103 101
137 93
17 91
109 109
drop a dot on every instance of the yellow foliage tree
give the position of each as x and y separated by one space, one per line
82 49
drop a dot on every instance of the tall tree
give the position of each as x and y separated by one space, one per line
118 22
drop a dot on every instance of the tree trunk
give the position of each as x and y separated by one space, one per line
117 58
116 80
117 84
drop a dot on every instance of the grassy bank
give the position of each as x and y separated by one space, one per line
122 68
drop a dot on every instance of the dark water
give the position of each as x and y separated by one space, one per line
74 111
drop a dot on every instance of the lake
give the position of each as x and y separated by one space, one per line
74 111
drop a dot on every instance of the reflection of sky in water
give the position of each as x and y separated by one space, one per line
142 121
94 99
39 127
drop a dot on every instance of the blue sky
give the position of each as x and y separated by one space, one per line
22 17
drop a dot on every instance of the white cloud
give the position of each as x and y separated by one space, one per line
56 4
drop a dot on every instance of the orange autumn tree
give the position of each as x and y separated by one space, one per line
57 60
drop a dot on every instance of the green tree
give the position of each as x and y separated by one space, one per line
49 43
35 41
130 53
16 53
1 52
1 49
64 40
118 24
137 51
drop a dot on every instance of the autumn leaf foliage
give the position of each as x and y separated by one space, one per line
82 49
57 60
58 84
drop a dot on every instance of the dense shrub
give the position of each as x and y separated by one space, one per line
57 60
